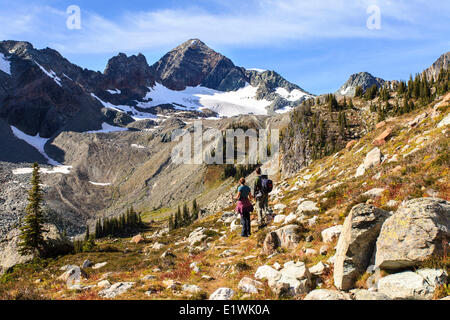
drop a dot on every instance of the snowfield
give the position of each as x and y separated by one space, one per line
5 65
37 142
242 101
225 104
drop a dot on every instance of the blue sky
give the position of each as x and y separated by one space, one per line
315 44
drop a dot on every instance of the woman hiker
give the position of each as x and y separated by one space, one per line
244 207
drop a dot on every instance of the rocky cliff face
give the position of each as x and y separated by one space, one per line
442 62
193 63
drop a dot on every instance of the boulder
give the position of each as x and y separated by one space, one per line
99 265
360 171
137 239
267 273
104 284
369 295
116 289
381 139
307 207
418 230
331 234
373 158
249 285
195 267
72 274
374 193
319 269
271 243
279 207
191 288
412 286
295 276
279 219
86 264
289 236
324 294
356 243
324 250
196 236
222 294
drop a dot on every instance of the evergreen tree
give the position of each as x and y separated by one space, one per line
195 210
186 216
87 235
31 238
358 91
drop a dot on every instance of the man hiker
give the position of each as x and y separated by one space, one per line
263 186
244 207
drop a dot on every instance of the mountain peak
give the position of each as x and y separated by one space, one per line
362 79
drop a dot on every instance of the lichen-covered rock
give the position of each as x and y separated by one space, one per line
222 294
418 230
356 243
410 285
325 294
331 234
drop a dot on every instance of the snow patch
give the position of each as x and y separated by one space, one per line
137 146
51 74
115 91
56 169
346 90
107 128
37 142
256 69
136 115
5 65
100 184
292 96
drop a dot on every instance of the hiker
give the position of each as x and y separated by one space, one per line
244 207
263 186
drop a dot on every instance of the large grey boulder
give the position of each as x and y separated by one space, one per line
356 243
222 294
410 285
249 285
369 295
286 237
289 236
418 230
325 294
294 277
116 289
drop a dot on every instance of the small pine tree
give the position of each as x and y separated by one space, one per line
31 238
186 216
87 235
195 210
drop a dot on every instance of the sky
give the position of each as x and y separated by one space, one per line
314 44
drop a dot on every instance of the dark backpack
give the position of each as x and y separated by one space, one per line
266 185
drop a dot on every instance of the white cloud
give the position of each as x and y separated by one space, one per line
260 23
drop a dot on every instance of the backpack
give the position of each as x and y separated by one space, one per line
266 184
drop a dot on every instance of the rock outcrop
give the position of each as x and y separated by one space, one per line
356 244
418 230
